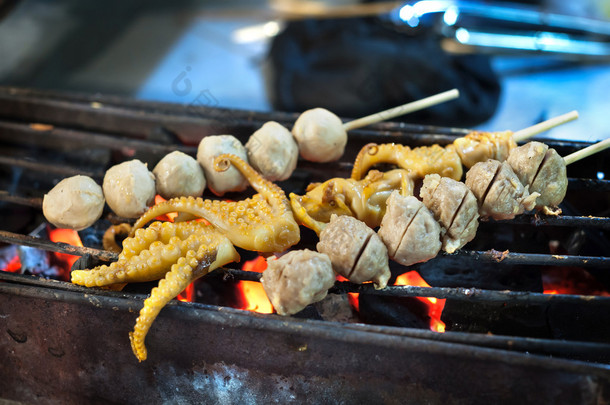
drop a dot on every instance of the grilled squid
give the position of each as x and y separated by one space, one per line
297 279
446 161
355 250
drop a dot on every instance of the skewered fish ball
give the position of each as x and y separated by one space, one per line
498 190
454 206
297 279
75 203
544 171
320 135
177 175
231 179
409 230
355 250
273 152
129 188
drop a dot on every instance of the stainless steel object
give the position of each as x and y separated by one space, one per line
472 26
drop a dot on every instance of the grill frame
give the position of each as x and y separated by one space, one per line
202 351
157 128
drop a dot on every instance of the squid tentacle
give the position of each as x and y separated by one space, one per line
154 250
197 262
175 281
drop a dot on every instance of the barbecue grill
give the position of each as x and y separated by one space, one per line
506 341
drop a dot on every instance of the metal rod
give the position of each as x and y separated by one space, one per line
562 220
504 258
60 247
344 287
589 184
460 293
35 202
11 129
467 294
48 168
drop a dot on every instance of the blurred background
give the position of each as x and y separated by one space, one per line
515 63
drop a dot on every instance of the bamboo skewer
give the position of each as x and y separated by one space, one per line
528 132
402 110
586 152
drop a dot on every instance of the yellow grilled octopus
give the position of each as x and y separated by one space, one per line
178 253
446 161
363 199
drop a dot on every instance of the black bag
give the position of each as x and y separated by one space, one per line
356 67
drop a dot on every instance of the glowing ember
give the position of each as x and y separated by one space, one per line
166 217
571 280
188 295
352 297
70 237
254 296
435 306
13 265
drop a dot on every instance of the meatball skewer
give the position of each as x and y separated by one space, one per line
318 135
543 171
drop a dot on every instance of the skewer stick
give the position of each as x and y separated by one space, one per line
528 132
586 152
401 110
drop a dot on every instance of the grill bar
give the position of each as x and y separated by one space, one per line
61 170
59 247
10 130
465 256
471 294
34 202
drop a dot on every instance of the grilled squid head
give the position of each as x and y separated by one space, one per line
322 201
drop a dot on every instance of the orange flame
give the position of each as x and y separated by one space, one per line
188 295
435 306
254 296
14 265
351 297
165 217
70 237
571 280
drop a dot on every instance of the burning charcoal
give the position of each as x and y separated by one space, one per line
86 262
38 262
356 251
9 259
393 311
336 308
297 279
